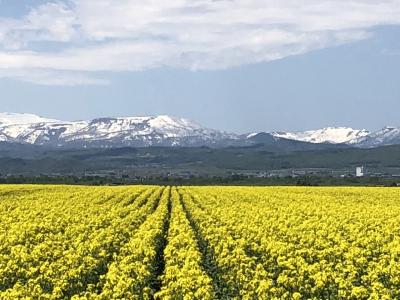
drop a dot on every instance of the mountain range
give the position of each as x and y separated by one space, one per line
171 131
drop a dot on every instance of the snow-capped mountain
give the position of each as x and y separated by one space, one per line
104 132
22 119
334 135
344 135
386 136
169 131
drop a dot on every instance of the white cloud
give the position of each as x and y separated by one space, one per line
50 22
132 35
54 78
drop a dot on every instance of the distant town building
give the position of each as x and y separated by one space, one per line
360 171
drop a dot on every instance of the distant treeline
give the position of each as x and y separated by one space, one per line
230 180
197 160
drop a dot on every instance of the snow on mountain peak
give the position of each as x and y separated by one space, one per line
389 135
172 126
22 119
389 128
250 135
334 135
123 131
164 130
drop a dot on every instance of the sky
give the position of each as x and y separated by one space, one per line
240 66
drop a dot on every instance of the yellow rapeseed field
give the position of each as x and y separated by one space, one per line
153 242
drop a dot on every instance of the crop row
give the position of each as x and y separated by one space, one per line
149 242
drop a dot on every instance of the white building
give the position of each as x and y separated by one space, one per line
360 171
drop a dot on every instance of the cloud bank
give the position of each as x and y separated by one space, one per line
66 42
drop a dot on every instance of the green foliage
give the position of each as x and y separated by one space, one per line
198 160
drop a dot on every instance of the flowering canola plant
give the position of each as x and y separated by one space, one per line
154 242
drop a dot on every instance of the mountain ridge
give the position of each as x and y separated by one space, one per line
165 130
159 130
335 135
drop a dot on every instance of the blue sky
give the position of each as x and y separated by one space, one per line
235 65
